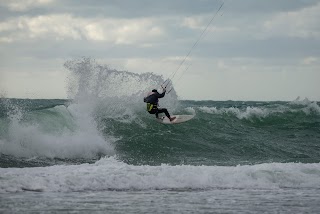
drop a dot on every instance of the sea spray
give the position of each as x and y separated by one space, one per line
108 95
99 97
51 133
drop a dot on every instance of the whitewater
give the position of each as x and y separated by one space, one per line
100 151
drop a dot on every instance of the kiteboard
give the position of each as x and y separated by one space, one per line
178 119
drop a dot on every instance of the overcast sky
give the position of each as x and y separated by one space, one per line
253 50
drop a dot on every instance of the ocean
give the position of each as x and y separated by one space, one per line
101 152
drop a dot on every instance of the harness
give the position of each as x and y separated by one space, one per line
151 106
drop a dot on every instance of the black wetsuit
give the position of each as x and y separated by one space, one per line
152 104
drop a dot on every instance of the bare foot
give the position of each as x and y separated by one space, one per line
172 118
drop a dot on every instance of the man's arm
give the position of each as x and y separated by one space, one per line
162 95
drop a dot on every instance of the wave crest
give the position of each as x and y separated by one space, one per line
110 174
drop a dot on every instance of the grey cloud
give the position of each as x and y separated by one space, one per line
270 48
141 8
254 6
147 8
118 8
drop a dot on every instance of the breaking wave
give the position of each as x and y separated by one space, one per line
111 174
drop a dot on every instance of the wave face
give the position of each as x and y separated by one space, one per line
222 133
111 174
227 133
105 116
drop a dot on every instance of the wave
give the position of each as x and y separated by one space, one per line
218 135
52 133
111 174
79 127
250 112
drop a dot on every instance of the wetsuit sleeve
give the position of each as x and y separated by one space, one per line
161 95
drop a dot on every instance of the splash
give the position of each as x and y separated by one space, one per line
107 93
51 133
98 95
100 81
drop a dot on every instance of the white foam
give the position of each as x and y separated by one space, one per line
309 106
190 110
262 112
248 113
209 110
50 137
312 107
298 101
110 174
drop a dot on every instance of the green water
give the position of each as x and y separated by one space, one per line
221 133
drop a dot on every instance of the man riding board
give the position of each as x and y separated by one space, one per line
152 101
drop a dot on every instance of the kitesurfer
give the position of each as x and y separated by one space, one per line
152 104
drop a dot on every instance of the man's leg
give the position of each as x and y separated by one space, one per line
154 111
163 110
